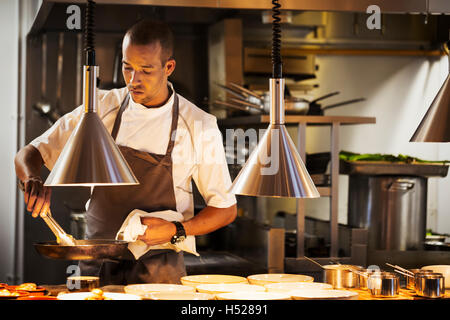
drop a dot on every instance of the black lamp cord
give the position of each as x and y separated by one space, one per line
276 41
89 34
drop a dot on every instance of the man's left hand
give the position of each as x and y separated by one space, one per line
158 231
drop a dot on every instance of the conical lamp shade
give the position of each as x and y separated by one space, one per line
90 157
275 169
435 125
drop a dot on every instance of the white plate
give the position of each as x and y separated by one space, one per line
289 286
178 296
140 289
262 279
326 294
215 288
84 295
441 268
196 280
243 295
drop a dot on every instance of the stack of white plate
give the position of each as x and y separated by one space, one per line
289 286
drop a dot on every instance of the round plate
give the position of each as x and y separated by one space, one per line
211 278
37 298
215 288
84 295
262 279
19 294
242 295
178 296
317 294
144 289
39 291
289 286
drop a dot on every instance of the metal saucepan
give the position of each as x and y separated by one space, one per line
383 284
430 285
340 276
84 250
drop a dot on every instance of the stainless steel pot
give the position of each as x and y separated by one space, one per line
383 284
340 277
363 277
392 208
430 285
410 281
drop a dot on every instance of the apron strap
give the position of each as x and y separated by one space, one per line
174 125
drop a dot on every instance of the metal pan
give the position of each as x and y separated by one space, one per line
84 250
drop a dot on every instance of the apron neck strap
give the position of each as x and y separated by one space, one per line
173 128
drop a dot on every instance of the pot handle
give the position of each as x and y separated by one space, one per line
401 185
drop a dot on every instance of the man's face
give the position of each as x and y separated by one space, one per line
144 72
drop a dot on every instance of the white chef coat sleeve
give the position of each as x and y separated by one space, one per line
52 141
211 174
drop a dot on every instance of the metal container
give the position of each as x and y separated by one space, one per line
392 208
363 277
383 284
410 281
340 277
430 285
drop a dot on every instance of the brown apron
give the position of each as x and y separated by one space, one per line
109 206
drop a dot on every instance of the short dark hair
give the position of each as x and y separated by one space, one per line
149 32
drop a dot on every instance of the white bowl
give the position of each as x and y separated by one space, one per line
262 279
324 294
142 289
178 296
243 295
196 280
442 268
289 286
215 288
84 295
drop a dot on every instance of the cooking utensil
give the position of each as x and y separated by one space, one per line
61 236
410 280
245 91
249 104
223 104
342 276
430 285
315 262
383 284
444 269
318 110
84 249
400 268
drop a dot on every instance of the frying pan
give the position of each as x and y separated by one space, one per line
84 249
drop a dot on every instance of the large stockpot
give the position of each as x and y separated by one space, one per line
340 276
392 208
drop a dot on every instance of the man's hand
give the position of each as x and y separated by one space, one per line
158 231
37 196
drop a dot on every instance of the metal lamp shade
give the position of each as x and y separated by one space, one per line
435 125
275 169
90 157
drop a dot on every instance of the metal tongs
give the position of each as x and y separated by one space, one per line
62 237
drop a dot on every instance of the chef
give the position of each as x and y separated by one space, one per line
166 140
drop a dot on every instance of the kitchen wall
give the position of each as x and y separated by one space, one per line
398 92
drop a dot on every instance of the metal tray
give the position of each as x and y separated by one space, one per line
376 168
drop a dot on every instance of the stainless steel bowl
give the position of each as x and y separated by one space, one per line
430 285
383 284
340 277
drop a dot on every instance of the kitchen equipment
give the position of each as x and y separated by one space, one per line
317 163
341 276
317 294
392 208
430 285
178 296
444 269
109 295
253 296
383 284
216 288
317 110
196 280
82 283
290 286
83 250
363 277
262 279
144 289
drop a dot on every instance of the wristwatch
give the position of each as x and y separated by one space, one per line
180 235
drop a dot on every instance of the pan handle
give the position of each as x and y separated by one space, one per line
325 96
343 103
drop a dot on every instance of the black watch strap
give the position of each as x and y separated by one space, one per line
180 235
